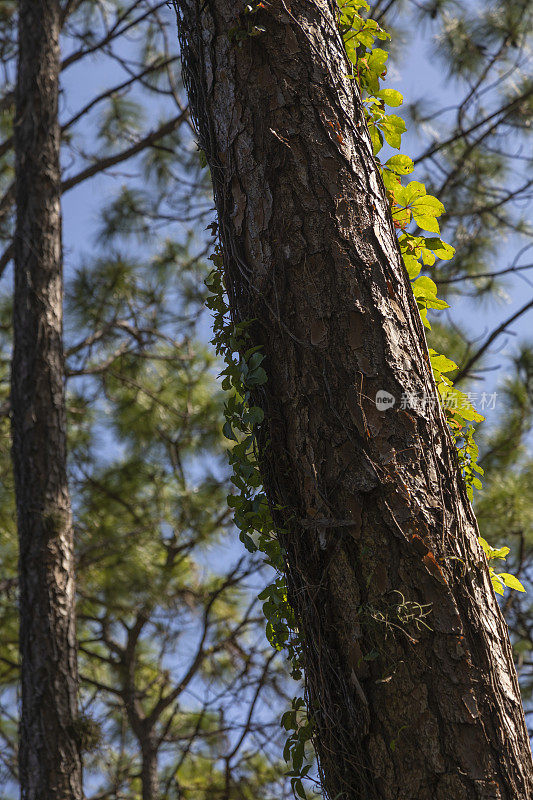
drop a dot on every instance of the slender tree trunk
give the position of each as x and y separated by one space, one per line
149 772
50 766
379 526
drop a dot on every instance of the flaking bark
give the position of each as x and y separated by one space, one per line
49 758
406 707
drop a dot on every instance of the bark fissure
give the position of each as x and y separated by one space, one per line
49 757
405 705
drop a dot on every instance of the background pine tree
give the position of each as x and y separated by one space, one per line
180 690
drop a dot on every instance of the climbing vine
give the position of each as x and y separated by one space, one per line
243 373
408 203
411 203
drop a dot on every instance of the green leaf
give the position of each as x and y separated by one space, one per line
352 5
391 181
408 194
502 553
401 216
427 257
377 59
255 360
299 789
248 542
376 138
441 249
392 128
424 318
413 266
391 97
271 634
489 551
442 364
461 406
287 751
227 430
485 545
511 581
298 757
254 415
436 302
288 721
425 210
424 287
401 165
256 377
351 49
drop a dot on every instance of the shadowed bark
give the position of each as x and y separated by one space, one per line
49 759
380 530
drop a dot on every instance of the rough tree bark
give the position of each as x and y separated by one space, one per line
310 253
149 771
50 766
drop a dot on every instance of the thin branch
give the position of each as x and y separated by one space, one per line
494 335
463 134
497 273
124 155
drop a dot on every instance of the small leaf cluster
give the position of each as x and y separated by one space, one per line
281 628
242 374
409 204
499 580
460 415
239 33
300 729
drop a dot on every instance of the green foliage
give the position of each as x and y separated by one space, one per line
300 729
409 203
242 374
246 28
499 580
121 116
505 507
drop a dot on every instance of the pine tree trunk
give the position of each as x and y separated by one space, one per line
50 766
149 771
406 706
